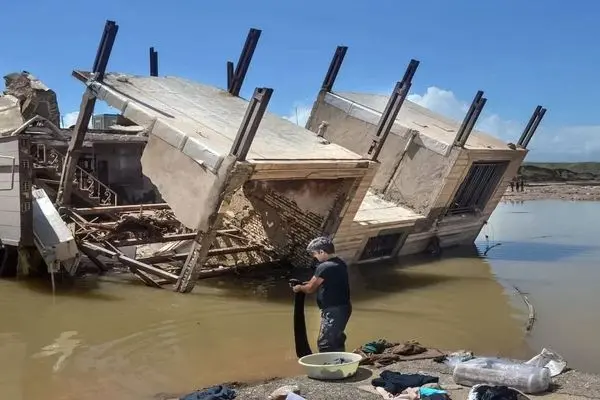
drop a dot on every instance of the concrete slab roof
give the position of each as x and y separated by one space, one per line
427 122
376 211
202 121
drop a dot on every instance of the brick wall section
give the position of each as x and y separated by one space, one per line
300 228
293 213
242 215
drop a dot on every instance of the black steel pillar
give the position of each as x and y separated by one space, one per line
391 110
531 127
470 119
254 114
86 110
334 68
235 79
153 62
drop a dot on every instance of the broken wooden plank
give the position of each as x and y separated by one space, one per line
211 252
146 278
203 241
124 208
130 262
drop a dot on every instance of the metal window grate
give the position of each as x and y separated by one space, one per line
477 188
25 186
381 246
25 206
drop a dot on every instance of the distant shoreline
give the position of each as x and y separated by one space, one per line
569 190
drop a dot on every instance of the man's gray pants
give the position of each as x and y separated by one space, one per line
333 323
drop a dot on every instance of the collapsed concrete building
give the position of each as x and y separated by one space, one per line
381 175
443 177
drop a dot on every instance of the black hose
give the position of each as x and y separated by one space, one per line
300 336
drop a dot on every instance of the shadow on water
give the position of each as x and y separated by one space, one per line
533 251
86 287
369 281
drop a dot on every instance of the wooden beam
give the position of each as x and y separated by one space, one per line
163 239
166 238
124 208
236 176
130 261
211 252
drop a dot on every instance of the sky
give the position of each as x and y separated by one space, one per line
520 53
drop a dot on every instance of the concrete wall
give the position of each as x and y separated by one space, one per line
293 212
461 230
125 174
415 176
10 192
191 190
419 178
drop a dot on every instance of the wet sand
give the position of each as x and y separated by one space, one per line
576 191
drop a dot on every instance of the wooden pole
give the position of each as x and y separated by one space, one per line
239 174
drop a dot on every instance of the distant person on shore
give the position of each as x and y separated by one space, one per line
522 183
331 283
512 185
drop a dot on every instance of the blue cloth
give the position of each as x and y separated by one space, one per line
213 393
426 391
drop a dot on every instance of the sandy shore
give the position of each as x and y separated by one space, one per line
569 385
580 191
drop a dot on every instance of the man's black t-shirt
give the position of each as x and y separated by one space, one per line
335 289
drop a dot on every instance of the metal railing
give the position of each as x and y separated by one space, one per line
477 188
85 181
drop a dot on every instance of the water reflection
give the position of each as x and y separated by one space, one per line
550 250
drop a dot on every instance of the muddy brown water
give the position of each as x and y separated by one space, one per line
108 338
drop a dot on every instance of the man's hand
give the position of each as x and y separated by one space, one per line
297 288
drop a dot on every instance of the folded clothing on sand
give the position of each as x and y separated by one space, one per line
218 392
395 382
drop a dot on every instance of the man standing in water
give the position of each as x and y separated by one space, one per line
330 281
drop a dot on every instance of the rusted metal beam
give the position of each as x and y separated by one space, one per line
153 62
532 126
388 117
334 68
236 80
86 110
254 114
470 119
212 252
116 209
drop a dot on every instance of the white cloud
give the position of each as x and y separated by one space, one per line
69 119
562 143
445 102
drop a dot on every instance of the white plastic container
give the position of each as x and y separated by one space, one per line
496 371
324 366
